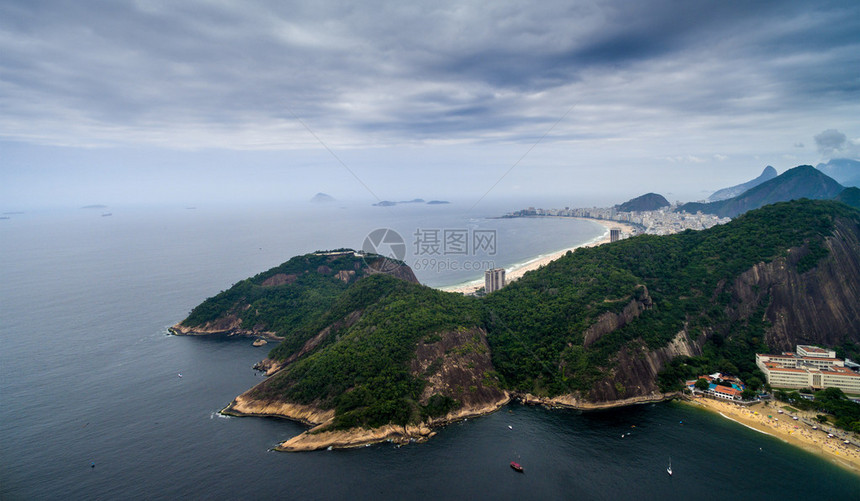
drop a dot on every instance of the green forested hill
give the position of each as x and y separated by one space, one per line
537 324
569 328
364 371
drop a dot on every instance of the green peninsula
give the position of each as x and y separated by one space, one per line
368 354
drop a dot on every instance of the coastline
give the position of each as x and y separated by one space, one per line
318 438
783 427
516 271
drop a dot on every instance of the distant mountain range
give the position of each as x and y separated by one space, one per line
843 170
724 194
804 181
646 202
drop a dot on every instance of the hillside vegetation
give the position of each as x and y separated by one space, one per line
538 324
597 324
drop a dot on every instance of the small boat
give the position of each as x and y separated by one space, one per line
516 466
669 468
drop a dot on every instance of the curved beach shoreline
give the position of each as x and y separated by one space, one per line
784 427
518 270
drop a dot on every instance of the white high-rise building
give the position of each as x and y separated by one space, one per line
494 280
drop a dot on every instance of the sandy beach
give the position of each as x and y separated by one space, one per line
799 433
517 271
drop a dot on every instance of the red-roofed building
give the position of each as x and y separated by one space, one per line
726 392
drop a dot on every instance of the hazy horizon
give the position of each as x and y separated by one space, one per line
555 103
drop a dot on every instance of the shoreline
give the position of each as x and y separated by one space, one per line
783 427
517 270
318 438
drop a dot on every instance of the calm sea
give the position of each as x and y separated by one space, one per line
88 375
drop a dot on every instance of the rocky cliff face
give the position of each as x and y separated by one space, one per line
458 366
818 306
635 374
608 322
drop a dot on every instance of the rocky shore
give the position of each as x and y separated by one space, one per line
572 402
318 437
222 328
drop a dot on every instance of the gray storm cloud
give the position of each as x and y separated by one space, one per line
615 92
833 144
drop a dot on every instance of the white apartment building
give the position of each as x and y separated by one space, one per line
811 367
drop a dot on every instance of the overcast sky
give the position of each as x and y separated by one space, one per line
229 100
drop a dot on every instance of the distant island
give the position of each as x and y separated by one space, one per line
95 206
368 354
388 203
322 198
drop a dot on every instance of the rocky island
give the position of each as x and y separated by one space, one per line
368 354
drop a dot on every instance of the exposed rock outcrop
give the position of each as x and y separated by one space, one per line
458 366
229 325
356 437
244 405
312 343
818 306
609 321
635 373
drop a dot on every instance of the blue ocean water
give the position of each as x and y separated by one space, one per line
88 375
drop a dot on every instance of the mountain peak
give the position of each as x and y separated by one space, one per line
803 181
766 175
646 202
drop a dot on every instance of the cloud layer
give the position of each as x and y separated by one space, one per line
649 91
239 73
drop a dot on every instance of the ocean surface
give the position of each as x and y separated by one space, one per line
92 405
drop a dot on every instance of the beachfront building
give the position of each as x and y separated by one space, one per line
614 235
719 386
494 280
810 367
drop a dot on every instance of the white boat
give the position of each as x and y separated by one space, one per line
669 468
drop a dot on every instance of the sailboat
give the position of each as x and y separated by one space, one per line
669 468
